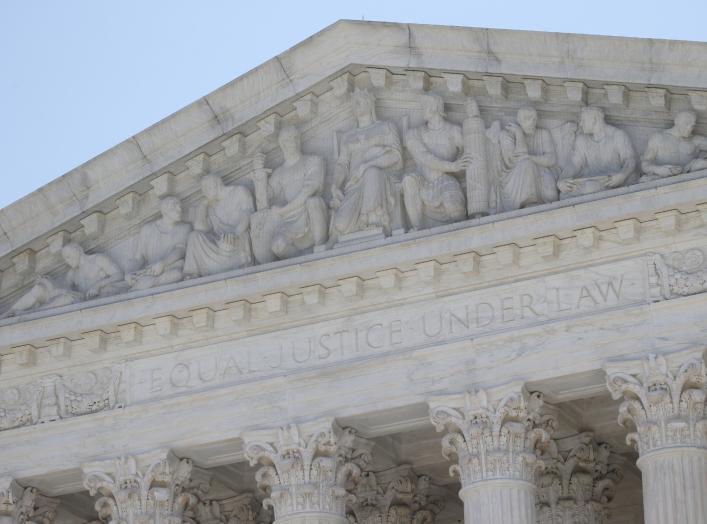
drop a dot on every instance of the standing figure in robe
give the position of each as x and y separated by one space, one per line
161 247
363 193
675 150
602 157
89 276
434 196
220 241
527 164
295 217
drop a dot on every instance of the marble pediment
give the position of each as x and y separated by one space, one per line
233 133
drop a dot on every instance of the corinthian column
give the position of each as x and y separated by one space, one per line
150 488
664 399
306 471
578 482
20 505
395 496
495 442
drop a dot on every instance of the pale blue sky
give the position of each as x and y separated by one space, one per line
79 76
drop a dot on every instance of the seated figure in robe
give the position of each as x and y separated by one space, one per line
363 194
220 241
89 276
675 150
434 196
160 248
602 157
293 218
527 164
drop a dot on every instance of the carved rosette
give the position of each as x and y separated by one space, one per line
135 494
25 505
666 407
307 474
494 440
578 482
395 496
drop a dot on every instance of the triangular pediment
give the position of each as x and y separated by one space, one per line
103 204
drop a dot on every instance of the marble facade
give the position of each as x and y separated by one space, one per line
374 282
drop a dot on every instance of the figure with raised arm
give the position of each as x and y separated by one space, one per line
433 196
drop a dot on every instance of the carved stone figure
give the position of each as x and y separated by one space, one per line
220 240
292 216
675 150
89 276
434 196
363 193
160 248
527 162
602 157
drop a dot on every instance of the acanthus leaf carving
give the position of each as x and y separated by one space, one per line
666 406
395 496
25 505
307 472
578 481
494 439
130 492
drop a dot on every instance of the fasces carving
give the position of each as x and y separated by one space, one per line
497 443
160 248
526 162
395 496
667 406
578 481
89 276
58 397
20 505
292 216
137 494
307 474
364 195
602 157
675 150
433 196
220 241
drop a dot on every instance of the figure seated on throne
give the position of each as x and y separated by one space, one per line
89 276
292 217
602 158
364 195
675 150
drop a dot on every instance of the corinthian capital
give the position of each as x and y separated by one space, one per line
664 400
145 488
20 505
395 496
492 438
578 482
306 469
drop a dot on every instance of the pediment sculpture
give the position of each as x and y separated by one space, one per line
384 177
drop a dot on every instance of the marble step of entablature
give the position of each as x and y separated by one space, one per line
101 229
479 268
